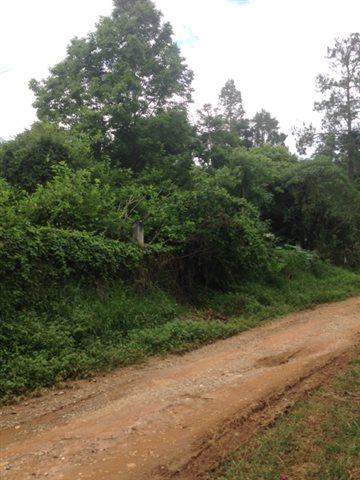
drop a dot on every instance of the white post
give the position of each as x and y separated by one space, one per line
138 233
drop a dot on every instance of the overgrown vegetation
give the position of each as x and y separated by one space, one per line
319 438
234 223
79 329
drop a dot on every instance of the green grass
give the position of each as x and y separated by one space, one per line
317 440
78 331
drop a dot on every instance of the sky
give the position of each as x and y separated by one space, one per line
273 49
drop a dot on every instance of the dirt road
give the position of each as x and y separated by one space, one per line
163 420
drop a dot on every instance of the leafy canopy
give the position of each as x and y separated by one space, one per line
124 73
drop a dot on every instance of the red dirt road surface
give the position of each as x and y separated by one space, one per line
158 421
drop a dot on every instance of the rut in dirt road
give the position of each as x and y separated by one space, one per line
152 421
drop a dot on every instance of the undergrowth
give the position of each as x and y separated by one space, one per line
81 330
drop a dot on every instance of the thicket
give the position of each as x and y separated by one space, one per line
234 223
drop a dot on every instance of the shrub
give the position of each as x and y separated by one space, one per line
28 160
34 259
316 206
75 201
214 237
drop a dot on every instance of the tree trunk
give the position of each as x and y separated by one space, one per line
349 140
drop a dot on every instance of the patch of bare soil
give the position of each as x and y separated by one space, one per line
176 418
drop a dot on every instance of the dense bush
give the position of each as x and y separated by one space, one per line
33 259
45 252
74 201
204 234
252 173
316 206
28 160
214 237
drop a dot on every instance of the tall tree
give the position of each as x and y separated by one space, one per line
266 130
215 138
340 104
231 104
126 71
224 127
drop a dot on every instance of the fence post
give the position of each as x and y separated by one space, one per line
138 234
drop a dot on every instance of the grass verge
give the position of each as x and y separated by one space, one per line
79 332
317 440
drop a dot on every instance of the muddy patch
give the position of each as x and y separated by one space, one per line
277 360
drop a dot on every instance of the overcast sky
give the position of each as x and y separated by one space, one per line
272 48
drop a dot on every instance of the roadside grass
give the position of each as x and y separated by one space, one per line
79 332
304 290
317 440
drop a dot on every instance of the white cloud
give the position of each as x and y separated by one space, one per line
34 35
272 48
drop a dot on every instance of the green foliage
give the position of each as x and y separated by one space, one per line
266 130
252 173
215 139
63 252
231 103
75 201
113 83
9 199
33 259
292 261
225 127
213 236
339 137
28 160
80 329
205 233
340 101
315 205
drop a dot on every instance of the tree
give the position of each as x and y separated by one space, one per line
231 104
223 127
341 102
265 130
340 105
215 138
168 142
126 71
232 110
